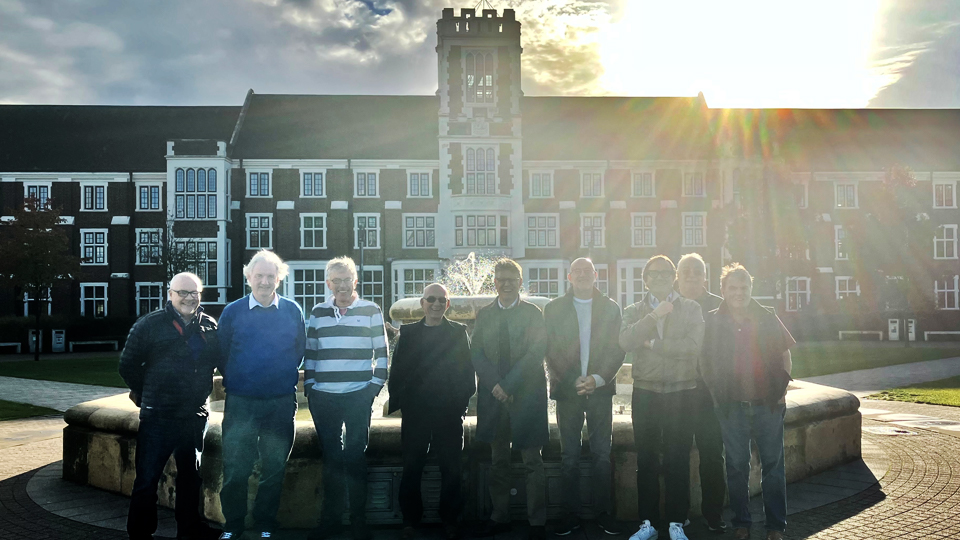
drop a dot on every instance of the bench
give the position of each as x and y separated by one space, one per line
112 342
926 335
861 333
11 344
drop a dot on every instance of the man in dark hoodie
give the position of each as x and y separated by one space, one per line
168 364
431 380
583 357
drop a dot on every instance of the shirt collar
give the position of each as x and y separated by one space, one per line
511 306
654 302
254 304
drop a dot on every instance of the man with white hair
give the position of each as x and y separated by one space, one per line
345 369
168 364
262 339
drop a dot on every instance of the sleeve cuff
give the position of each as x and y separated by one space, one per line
599 379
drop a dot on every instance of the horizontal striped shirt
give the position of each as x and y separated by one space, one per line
346 352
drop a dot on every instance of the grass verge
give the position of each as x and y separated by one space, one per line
811 359
101 371
942 392
12 411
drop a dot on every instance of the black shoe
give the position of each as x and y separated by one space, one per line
537 532
491 527
451 531
609 524
408 533
717 525
567 525
201 531
360 531
324 531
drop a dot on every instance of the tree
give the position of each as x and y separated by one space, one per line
164 250
36 254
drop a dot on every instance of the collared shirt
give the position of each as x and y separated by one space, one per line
511 306
748 361
654 302
275 303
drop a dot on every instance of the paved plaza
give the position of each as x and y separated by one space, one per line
907 484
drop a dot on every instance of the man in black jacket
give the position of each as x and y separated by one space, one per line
583 357
431 380
168 364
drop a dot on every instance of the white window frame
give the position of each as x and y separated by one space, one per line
248 230
694 177
463 229
953 188
805 185
362 284
290 283
323 183
634 228
106 297
150 186
137 297
603 230
467 91
633 183
414 229
603 278
946 291
856 195
210 279
592 177
836 244
945 241
549 180
400 281
420 173
38 185
303 229
27 299
138 244
106 247
629 272
684 228
545 229
847 290
475 171
805 293
558 265
356 229
258 172
356 178
94 185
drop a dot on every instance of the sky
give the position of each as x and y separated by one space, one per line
793 53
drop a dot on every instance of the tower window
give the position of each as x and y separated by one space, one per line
479 68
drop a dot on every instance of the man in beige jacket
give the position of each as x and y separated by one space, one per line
662 335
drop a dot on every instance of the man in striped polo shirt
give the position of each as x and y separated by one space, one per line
345 369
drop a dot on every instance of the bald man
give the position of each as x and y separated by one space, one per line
431 381
168 364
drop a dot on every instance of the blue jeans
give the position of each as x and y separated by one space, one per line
157 438
252 428
598 410
344 451
764 424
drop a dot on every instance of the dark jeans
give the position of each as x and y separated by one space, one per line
255 428
344 459
501 478
157 438
440 433
764 424
706 433
661 423
598 410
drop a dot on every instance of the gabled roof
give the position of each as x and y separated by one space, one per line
84 138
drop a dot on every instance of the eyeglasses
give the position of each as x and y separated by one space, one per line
653 274
433 299
583 272
192 294
344 281
507 281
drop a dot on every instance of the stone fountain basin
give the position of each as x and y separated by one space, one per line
822 431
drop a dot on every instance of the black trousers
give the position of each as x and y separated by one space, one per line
439 433
661 423
157 438
706 433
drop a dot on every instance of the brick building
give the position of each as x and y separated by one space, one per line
478 167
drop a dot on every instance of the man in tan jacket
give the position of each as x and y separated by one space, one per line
662 335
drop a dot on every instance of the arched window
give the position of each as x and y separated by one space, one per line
212 180
179 180
479 71
202 180
191 180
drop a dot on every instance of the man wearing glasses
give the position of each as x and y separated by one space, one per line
662 334
168 364
345 369
262 338
431 381
509 342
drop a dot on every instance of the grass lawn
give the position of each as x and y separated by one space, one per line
97 370
11 411
825 357
942 392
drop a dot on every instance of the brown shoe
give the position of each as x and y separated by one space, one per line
741 533
774 535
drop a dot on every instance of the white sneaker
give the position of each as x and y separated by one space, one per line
266 534
229 536
676 532
646 532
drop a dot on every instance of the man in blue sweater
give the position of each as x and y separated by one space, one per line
262 340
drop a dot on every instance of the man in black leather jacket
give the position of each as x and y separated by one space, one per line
168 364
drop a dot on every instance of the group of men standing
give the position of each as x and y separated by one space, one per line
719 381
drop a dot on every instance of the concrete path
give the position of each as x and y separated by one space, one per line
870 381
59 396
